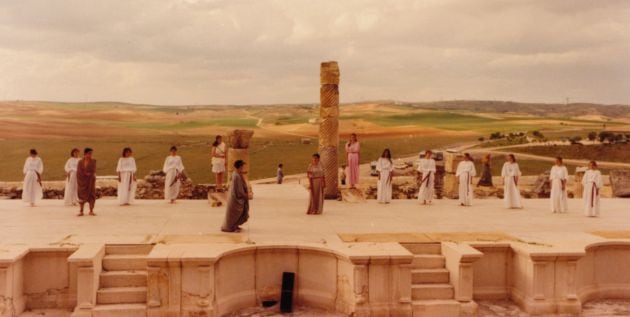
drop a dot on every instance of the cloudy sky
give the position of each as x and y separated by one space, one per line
268 51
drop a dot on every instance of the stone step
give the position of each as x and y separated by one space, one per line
123 279
430 276
128 249
428 261
423 248
125 262
432 291
436 308
120 310
121 295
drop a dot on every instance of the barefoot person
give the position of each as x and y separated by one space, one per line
511 174
32 185
317 183
558 178
427 168
218 161
352 153
385 169
127 182
592 183
173 168
237 211
86 181
70 194
465 173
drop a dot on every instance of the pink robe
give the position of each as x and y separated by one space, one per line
352 151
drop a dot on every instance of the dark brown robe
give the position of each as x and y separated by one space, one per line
86 180
237 211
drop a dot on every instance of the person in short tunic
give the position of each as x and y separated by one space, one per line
71 194
592 183
32 185
511 174
353 148
317 183
86 181
237 212
218 161
127 183
486 173
173 168
427 168
558 177
385 169
465 173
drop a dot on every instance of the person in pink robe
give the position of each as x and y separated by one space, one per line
352 151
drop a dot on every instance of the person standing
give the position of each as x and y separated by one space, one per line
127 182
32 186
427 168
279 174
237 212
218 161
385 169
511 174
465 173
592 183
353 148
70 195
317 183
173 168
486 173
558 178
86 181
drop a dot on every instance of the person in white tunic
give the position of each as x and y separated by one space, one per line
465 173
385 169
173 167
126 170
427 168
32 186
511 174
592 183
558 177
218 161
71 193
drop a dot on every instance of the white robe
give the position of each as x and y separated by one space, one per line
172 167
31 189
71 194
427 168
127 186
384 185
465 172
592 182
558 197
511 194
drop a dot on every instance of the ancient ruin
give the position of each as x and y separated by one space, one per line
238 149
329 127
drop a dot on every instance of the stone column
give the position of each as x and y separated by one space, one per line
450 184
329 127
238 150
577 182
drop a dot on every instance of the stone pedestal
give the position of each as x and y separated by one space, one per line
450 186
239 150
577 182
329 127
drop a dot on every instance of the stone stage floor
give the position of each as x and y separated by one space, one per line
278 216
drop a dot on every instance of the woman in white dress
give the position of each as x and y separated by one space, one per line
592 183
127 182
173 167
427 168
511 174
71 194
32 186
385 169
465 173
218 161
558 177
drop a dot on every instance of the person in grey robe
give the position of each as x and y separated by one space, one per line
237 211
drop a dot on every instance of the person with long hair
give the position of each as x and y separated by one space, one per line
86 181
385 169
427 169
592 182
32 186
558 177
511 174
127 182
173 168
465 173
70 193
353 148
218 161
317 183
237 211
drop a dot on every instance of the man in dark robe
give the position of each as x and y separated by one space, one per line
237 211
86 181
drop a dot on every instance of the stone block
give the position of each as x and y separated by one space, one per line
620 182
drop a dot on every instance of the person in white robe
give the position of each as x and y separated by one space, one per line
218 161
385 169
465 173
71 193
592 183
558 177
427 168
32 185
511 173
127 182
173 168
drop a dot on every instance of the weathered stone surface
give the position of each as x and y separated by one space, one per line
542 186
620 182
329 132
239 139
329 73
329 127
